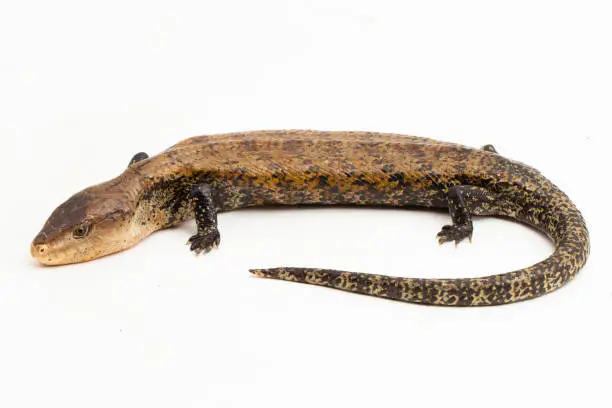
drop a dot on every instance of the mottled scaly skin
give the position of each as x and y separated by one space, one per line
326 168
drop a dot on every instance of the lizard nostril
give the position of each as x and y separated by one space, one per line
39 250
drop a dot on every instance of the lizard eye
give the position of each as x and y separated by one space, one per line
81 231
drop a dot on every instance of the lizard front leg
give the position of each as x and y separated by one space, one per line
207 236
463 201
138 157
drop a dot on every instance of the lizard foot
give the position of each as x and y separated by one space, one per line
204 243
455 233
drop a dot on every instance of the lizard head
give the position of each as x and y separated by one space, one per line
91 224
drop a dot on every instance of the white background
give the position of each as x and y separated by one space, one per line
85 85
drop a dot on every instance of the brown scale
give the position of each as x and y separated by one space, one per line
206 174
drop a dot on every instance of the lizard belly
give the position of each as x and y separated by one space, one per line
325 189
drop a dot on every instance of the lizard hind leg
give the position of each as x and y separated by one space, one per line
463 202
489 148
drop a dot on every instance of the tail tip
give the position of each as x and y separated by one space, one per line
272 273
264 273
258 272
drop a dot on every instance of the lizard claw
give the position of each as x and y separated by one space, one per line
204 243
455 233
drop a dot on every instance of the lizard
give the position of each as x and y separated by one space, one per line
206 175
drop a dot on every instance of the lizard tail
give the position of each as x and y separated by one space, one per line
565 225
